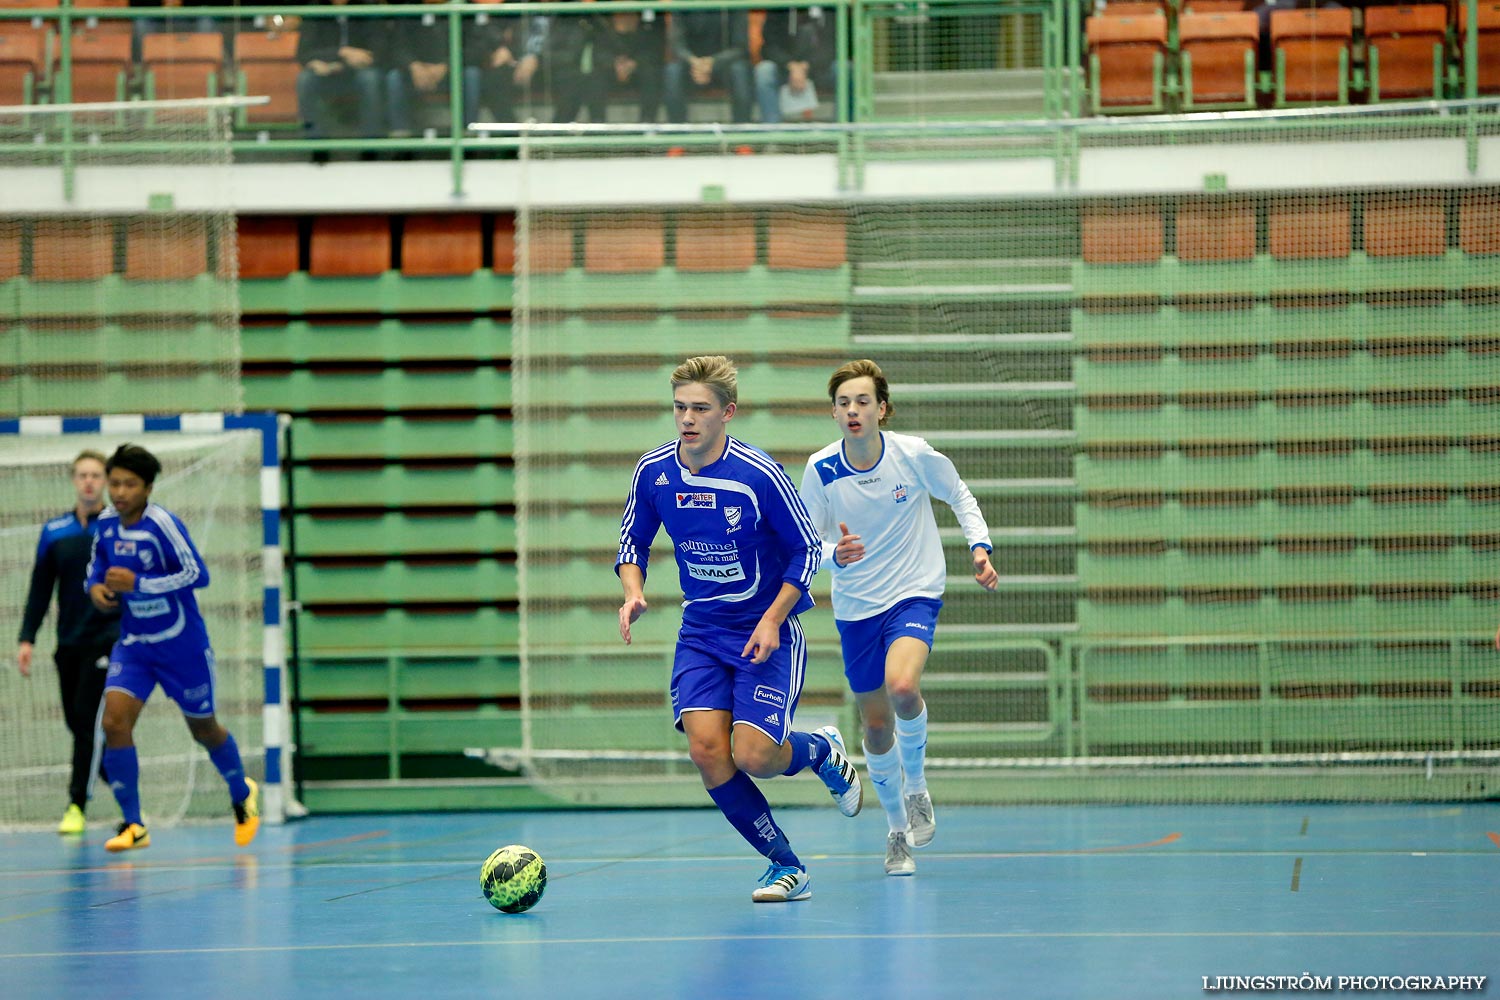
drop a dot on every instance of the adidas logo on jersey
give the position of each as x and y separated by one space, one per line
661 480
774 719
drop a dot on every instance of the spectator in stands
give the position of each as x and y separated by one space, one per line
709 47
420 61
593 57
634 51
798 54
340 58
508 50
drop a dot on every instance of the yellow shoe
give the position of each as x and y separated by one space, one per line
247 815
131 836
72 821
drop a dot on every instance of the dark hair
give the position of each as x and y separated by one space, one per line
864 368
134 458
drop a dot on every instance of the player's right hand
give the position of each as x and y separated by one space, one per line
104 599
632 609
23 658
849 549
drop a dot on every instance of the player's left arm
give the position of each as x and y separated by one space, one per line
781 505
941 479
184 569
766 638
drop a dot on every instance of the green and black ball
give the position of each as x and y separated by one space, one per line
513 878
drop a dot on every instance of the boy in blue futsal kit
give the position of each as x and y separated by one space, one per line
746 552
888 581
144 560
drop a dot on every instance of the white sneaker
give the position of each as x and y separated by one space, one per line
839 775
923 824
898 859
783 884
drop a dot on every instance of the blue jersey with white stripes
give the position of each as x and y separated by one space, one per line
738 528
167 570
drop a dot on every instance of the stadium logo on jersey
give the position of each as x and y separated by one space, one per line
661 480
770 696
709 501
124 548
732 515
919 625
718 574
899 494
867 482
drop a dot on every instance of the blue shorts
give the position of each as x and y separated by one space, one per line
865 642
708 673
183 667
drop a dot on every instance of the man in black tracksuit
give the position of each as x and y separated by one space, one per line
85 635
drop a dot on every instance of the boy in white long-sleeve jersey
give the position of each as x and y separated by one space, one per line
888 577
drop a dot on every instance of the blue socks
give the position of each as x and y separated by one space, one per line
226 757
747 810
124 770
808 750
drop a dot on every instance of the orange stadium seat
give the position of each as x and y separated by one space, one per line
1488 24
101 65
267 246
165 250
266 66
715 241
182 64
1405 46
23 61
10 251
1479 222
1215 229
1308 227
1213 6
446 244
626 243
806 239
1126 59
1122 234
1405 225
1133 8
550 246
73 249
1311 48
1218 56
349 246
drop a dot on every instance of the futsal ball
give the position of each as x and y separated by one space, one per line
513 879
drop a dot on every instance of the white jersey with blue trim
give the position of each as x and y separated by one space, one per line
889 507
167 570
738 528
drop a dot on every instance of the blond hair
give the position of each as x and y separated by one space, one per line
97 456
863 368
713 370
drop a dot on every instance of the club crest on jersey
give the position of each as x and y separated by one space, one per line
703 501
146 558
899 494
124 547
732 515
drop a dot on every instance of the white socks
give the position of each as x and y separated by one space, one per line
911 740
885 775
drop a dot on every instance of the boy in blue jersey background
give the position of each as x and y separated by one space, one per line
746 553
145 563
85 634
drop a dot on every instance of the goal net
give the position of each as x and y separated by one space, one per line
212 478
1225 387
118 287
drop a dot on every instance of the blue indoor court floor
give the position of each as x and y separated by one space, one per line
1075 902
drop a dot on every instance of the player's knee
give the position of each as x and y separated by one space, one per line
757 759
905 694
880 733
116 726
208 732
709 755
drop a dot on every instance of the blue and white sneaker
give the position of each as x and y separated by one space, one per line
839 775
783 884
